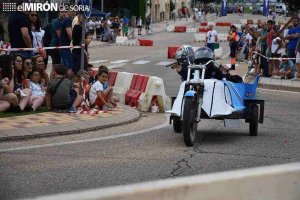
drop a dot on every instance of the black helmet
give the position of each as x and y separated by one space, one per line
203 55
184 53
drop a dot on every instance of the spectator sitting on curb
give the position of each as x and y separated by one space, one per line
38 90
4 105
60 94
287 68
100 97
38 65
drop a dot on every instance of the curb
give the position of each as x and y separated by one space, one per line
128 116
278 87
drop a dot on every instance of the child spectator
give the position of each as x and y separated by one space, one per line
99 96
276 49
37 90
103 68
27 67
287 68
90 71
84 80
60 93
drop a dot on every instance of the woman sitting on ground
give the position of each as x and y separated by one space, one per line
39 65
14 93
4 105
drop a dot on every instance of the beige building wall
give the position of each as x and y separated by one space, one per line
160 10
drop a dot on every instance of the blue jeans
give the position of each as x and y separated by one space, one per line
66 58
291 54
211 46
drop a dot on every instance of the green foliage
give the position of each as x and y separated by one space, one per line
293 5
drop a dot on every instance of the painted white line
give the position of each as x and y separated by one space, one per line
115 66
119 61
164 63
98 61
141 62
165 124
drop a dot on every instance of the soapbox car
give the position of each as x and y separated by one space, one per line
201 98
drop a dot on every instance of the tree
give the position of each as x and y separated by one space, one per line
293 5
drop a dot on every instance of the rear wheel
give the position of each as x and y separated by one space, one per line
177 124
189 124
253 125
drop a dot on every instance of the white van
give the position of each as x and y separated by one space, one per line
280 8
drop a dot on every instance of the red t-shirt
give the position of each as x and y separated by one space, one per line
270 38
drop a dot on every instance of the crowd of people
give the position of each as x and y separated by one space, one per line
270 50
24 81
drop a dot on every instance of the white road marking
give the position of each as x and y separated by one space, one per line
119 61
164 63
98 61
115 66
141 62
87 140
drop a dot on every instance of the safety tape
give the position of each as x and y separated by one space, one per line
269 58
32 49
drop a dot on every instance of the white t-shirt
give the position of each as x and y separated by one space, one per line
36 89
211 36
91 25
37 39
249 38
97 86
275 45
97 24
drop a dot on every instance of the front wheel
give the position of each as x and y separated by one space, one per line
177 124
189 124
253 125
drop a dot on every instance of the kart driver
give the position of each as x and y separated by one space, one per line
186 55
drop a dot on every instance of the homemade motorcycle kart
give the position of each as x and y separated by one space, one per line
199 98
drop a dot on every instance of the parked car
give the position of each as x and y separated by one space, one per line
256 11
231 9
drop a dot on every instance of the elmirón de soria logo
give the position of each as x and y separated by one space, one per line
44 7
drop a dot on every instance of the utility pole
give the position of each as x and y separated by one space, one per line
102 5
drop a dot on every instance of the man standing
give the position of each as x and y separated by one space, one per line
293 36
211 38
19 31
65 40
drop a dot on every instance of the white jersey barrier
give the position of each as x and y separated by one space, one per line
264 183
120 40
218 53
222 37
155 92
170 28
199 37
191 30
122 84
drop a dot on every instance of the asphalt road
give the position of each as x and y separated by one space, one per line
147 149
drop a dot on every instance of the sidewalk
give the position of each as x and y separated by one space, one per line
50 123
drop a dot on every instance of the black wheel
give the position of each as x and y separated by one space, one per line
253 125
189 124
177 124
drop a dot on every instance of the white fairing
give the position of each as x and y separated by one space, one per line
216 99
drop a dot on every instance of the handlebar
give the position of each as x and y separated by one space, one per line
171 65
204 65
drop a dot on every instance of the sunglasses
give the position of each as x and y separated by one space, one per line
33 15
28 63
19 61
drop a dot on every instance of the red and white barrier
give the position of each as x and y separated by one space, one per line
145 42
170 28
122 84
199 37
191 30
180 29
172 52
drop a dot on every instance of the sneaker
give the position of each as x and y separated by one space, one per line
72 110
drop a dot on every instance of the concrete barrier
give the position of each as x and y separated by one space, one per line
191 30
131 42
199 37
171 28
279 182
244 21
218 53
222 37
122 84
154 93
120 40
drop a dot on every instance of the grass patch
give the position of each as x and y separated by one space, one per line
25 112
